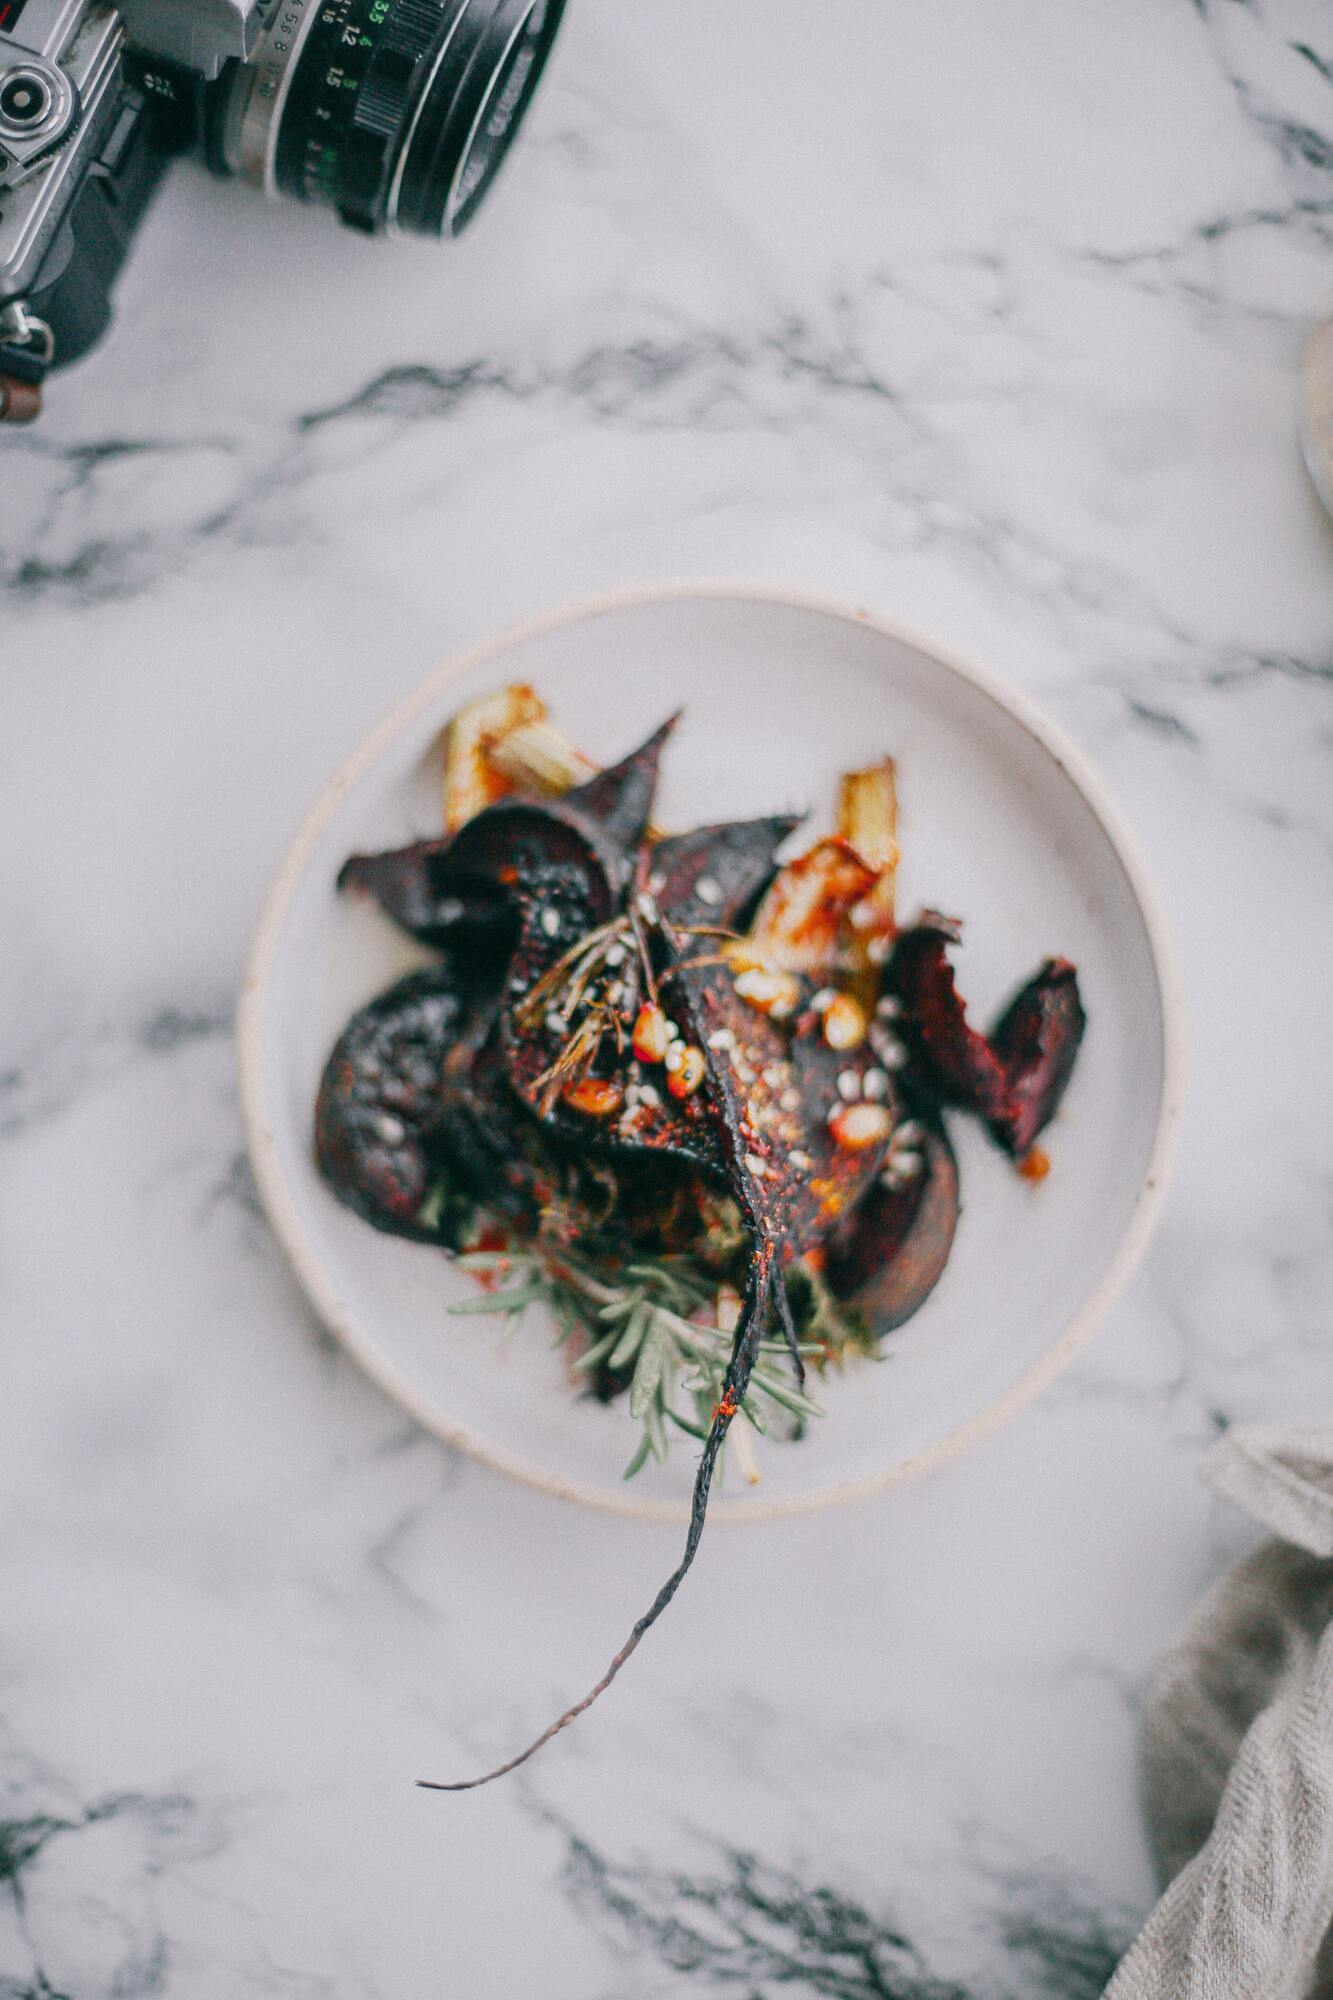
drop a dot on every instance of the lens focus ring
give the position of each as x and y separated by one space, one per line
382 107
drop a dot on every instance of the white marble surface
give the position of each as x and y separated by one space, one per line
988 315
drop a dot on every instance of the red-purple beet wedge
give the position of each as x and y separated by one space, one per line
1014 1077
889 1252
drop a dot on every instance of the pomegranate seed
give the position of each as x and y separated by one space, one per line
688 1074
595 1096
652 1032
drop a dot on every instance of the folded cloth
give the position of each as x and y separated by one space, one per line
1238 1750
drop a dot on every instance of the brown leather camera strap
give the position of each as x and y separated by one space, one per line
20 402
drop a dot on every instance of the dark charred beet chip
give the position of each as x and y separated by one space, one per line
432 888
716 874
619 799
1037 1039
486 1141
960 1063
379 1095
890 1251
404 882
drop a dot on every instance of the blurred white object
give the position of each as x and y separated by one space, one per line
1317 410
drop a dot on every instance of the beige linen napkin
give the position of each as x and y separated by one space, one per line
1238 1750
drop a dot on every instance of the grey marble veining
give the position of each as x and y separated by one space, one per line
988 316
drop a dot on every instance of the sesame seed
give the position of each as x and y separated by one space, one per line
390 1130
744 1072
674 1056
722 1038
887 1047
773 1075
888 1007
657 881
550 921
879 948
616 955
646 907
849 1085
756 1165
910 1133
648 1095
801 1161
709 890
907 1165
823 1000
875 1084
790 1099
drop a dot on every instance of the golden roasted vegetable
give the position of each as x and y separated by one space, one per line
800 922
472 777
868 821
537 757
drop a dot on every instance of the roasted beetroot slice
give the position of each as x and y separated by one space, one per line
960 1063
412 886
486 1141
378 1096
1037 1039
734 863
890 1251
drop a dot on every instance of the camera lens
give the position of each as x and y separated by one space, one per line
395 112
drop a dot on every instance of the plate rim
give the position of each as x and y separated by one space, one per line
280 1208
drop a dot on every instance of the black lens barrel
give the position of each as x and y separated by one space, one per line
400 111
466 124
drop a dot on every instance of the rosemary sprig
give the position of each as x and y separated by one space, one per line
646 1326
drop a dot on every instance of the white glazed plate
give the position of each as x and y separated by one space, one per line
1001 823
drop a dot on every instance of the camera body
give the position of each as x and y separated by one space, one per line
395 112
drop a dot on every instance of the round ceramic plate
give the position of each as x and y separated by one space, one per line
1000 823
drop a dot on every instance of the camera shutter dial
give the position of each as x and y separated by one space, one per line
39 108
